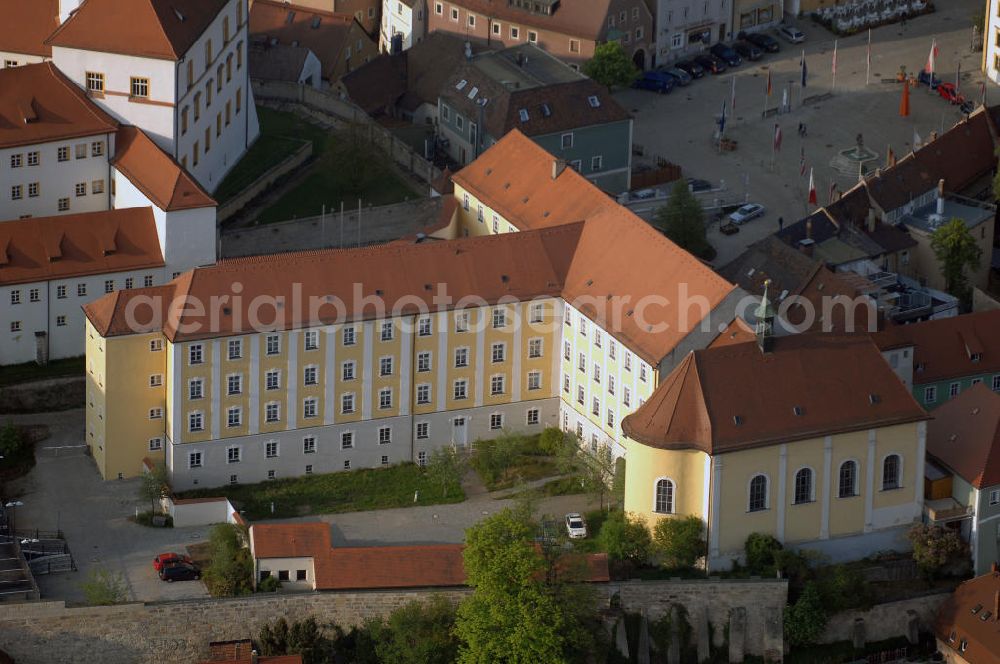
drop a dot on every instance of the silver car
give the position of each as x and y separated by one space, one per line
746 213
576 527
791 34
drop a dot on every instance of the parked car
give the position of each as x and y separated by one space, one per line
791 34
693 69
654 80
748 50
643 194
576 527
696 185
180 571
164 559
711 63
681 77
924 78
726 54
746 213
760 40
947 91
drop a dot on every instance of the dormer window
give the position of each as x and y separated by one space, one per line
976 357
523 114
461 84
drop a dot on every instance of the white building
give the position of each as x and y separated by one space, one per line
175 68
991 44
684 27
25 27
51 266
405 20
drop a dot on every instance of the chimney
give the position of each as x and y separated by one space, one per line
940 198
558 166
809 229
806 246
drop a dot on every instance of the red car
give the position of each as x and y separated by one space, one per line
948 91
164 559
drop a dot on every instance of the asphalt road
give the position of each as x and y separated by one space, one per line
680 126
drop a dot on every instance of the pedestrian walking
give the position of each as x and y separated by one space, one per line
800 129
804 131
781 223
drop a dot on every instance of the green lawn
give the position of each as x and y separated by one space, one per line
341 173
281 134
29 371
351 491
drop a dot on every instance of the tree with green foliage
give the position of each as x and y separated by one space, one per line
104 587
12 442
625 538
957 251
302 637
524 607
230 570
416 632
493 456
806 619
682 220
762 552
610 66
154 484
551 440
680 541
933 547
445 468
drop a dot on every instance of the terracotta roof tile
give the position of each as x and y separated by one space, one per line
155 173
39 104
965 436
943 348
26 26
583 18
326 40
956 615
160 29
45 248
735 397
289 540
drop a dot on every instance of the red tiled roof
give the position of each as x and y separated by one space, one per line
46 248
578 18
943 348
27 24
155 173
160 29
735 397
39 104
965 436
289 540
955 621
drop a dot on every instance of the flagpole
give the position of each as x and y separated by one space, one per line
834 86
868 70
802 79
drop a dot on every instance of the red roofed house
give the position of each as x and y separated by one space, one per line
809 438
962 475
967 625
301 556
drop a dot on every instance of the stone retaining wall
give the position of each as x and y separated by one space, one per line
43 396
884 621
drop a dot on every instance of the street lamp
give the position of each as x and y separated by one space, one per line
12 506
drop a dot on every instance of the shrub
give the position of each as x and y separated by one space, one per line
230 570
806 619
491 458
104 588
268 584
302 637
625 538
551 441
681 541
761 553
933 547
416 632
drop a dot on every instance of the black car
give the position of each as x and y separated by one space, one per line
726 54
748 50
697 185
693 69
764 42
711 63
180 571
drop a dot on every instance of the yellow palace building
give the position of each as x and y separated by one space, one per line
809 438
311 362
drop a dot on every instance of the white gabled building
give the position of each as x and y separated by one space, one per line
175 68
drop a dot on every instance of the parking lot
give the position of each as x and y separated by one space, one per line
679 126
64 491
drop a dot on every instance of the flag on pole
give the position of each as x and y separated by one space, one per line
932 57
835 57
802 161
804 69
733 96
833 190
722 119
958 77
769 88
777 138
868 58
904 102
812 189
